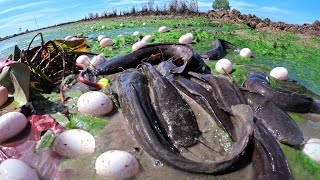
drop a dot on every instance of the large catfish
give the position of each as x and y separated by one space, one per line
268 160
278 122
137 109
183 56
174 113
220 50
202 96
286 100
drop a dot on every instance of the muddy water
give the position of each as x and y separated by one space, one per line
116 136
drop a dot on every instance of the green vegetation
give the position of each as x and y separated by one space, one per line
302 167
270 49
221 5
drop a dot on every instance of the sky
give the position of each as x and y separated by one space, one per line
34 14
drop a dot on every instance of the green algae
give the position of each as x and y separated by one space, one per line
301 165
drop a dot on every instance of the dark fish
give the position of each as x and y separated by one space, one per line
133 92
220 50
174 113
223 90
181 55
286 100
137 110
279 123
199 94
268 160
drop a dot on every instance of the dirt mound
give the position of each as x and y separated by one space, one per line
257 23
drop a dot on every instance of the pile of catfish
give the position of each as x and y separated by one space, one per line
160 86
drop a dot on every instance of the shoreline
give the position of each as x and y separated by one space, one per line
232 16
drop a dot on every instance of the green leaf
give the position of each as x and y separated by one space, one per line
91 124
16 78
46 141
61 119
20 77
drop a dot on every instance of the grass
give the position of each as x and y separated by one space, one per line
270 49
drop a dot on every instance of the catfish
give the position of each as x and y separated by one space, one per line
286 100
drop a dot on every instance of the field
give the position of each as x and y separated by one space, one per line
299 54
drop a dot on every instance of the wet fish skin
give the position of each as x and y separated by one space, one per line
286 100
279 123
173 112
220 50
139 114
135 104
268 159
182 55
199 94
223 90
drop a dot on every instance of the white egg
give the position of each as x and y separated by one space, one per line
74 143
11 124
147 38
3 95
191 35
92 28
68 37
103 27
246 52
136 33
279 73
224 66
185 39
144 24
100 37
95 103
106 42
138 45
97 60
83 59
14 169
312 149
117 164
163 29
120 35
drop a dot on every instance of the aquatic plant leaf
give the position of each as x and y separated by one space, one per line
91 124
17 53
16 77
77 45
61 119
20 77
46 141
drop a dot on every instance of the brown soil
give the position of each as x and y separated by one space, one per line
234 16
254 22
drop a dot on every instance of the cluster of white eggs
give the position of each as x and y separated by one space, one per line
73 143
224 66
95 61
